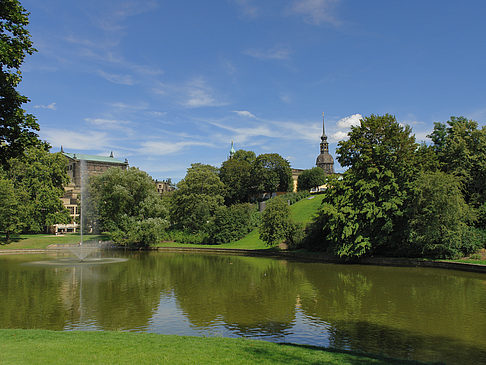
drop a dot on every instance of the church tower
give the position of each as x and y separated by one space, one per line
325 160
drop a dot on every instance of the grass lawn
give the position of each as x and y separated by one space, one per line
41 241
304 210
51 347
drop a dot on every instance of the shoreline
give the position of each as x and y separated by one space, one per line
293 255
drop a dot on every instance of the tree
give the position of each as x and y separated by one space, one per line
125 203
311 178
271 173
461 150
10 208
232 223
242 155
275 222
235 175
17 129
366 211
439 222
197 197
41 176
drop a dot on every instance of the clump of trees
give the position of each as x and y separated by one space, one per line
399 198
126 204
311 178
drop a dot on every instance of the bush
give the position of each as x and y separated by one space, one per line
139 233
295 235
185 237
293 198
232 223
275 222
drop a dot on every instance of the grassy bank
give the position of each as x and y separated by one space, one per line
51 347
41 241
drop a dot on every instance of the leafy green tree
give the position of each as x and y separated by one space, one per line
271 173
275 221
311 178
439 222
17 129
10 208
235 175
118 195
366 211
461 150
197 197
242 155
232 223
41 176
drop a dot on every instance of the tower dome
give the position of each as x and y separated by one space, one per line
325 160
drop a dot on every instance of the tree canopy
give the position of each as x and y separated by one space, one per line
311 178
17 128
271 173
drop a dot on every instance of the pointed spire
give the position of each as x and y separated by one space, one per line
323 128
111 154
232 150
62 150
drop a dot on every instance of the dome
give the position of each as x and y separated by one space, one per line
324 158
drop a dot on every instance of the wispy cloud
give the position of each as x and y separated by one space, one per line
51 106
117 78
161 148
275 53
244 113
315 11
247 8
84 140
195 93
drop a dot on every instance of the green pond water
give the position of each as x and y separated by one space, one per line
415 313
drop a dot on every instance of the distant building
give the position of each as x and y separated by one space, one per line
325 160
93 165
232 150
295 177
164 186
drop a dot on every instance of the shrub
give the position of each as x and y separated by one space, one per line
275 221
232 223
139 233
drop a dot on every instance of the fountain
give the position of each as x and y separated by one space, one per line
83 251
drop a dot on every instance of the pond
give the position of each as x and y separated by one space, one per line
416 313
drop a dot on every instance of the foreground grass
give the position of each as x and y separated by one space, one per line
51 347
304 210
41 241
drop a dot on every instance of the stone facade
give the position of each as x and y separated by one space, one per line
92 165
164 186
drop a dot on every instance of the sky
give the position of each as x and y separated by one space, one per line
167 83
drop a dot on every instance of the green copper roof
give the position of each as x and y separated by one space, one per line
80 156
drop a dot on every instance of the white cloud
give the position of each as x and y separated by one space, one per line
161 148
51 106
85 140
286 98
315 11
117 78
197 93
339 136
347 122
244 113
274 53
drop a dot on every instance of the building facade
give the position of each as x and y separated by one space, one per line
79 168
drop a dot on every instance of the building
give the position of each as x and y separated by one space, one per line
325 160
164 186
81 166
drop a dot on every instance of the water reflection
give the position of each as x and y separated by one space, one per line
424 314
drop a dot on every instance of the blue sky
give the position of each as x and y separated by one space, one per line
169 83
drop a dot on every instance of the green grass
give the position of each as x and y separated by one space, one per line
41 241
468 261
51 347
304 210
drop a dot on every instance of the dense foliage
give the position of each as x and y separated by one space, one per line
271 173
311 178
399 198
126 204
197 198
232 223
275 221
17 129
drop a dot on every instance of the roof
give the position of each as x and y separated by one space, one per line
324 158
80 156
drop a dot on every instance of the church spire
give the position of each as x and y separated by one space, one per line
324 143
323 128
